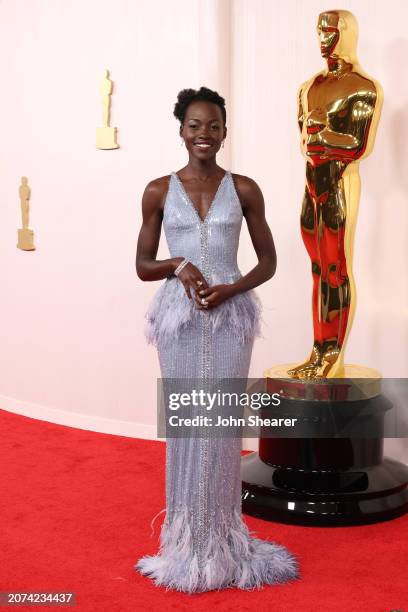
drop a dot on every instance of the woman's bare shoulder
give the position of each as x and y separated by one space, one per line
246 187
158 185
155 193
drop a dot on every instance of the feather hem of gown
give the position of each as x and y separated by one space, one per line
233 558
170 310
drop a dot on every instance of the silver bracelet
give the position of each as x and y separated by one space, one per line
181 266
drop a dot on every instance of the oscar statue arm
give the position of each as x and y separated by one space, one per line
345 134
301 110
302 113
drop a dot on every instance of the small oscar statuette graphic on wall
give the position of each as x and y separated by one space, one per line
106 136
25 235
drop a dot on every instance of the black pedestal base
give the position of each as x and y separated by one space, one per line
324 497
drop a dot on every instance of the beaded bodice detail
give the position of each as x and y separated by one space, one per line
211 244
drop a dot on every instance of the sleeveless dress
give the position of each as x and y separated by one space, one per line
204 543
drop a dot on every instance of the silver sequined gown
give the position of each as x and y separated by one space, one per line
204 543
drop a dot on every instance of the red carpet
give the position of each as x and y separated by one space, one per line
76 508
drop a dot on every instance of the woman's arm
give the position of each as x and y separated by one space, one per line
253 208
147 267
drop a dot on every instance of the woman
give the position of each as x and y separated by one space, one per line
203 320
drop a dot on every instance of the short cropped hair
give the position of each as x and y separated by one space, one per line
186 96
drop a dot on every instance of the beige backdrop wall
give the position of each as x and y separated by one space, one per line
72 348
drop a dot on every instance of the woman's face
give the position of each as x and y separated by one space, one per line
203 129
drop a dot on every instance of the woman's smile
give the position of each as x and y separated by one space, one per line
204 145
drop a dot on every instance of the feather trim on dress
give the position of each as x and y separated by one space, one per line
233 558
171 309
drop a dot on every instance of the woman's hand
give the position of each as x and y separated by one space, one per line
192 278
215 295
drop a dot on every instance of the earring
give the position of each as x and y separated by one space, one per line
182 141
223 143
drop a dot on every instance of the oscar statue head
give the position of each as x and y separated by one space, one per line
337 32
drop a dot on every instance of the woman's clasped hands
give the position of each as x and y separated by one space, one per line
205 297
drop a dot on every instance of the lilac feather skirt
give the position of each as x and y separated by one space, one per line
204 542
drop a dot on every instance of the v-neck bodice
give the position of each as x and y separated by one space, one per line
211 244
188 198
186 232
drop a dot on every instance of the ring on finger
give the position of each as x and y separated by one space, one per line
204 302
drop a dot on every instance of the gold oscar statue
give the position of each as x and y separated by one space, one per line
338 113
329 468
106 136
25 235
